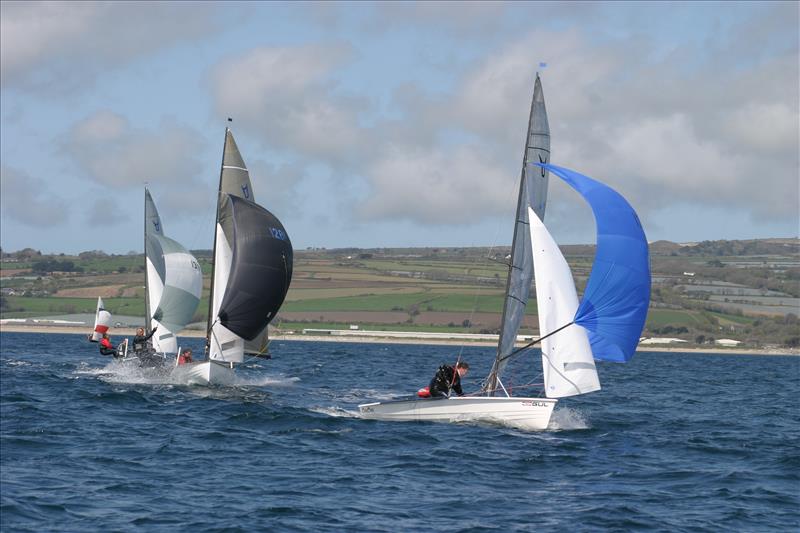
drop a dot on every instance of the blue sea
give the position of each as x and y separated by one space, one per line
673 442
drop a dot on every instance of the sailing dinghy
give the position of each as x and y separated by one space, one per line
102 321
173 284
605 325
251 273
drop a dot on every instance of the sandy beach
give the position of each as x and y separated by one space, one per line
377 337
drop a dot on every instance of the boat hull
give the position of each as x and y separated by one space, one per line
527 413
205 373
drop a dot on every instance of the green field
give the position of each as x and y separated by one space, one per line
423 301
442 280
33 306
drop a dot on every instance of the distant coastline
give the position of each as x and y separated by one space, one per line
197 334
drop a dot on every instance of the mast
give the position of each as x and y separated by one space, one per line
532 192
147 318
214 249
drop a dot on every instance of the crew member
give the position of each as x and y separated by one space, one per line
448 378
140 340
185 357
106 348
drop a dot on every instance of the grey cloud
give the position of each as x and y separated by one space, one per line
275 186
111 152
23 200
287 97
103 215
58 46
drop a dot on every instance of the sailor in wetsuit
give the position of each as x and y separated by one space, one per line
106 348
144 349
448 378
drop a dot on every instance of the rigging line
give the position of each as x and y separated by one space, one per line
533 342
485 263
517 351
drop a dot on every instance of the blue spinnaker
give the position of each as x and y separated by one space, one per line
614 305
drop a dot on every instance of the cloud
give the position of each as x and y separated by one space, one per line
286 96
24 200
666 121
113 153
444 187
57 46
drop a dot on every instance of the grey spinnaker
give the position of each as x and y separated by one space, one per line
261 266
533 193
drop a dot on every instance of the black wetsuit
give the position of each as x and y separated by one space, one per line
445 380
140 342
145 352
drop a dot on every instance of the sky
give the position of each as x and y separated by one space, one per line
394 124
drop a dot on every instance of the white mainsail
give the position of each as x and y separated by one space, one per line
224 345
102 321
567 360
173 282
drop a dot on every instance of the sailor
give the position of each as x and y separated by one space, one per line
140 340
448 378
185 357
106 348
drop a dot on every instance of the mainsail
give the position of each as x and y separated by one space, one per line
173 282
252 265
102 321
533 193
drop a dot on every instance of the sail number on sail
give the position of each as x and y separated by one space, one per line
278 234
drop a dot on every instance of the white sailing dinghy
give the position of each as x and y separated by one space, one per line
605 326
173 283
251 274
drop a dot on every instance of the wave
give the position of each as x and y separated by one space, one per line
565 419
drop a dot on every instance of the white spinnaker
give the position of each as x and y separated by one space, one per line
102 321
567 358
224 345
173 301
173 282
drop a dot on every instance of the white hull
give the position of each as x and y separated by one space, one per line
205 373
527 413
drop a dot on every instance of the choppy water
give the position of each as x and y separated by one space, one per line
672 443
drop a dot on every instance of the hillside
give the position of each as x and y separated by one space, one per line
748 291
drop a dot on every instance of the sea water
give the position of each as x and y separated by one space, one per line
673 442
